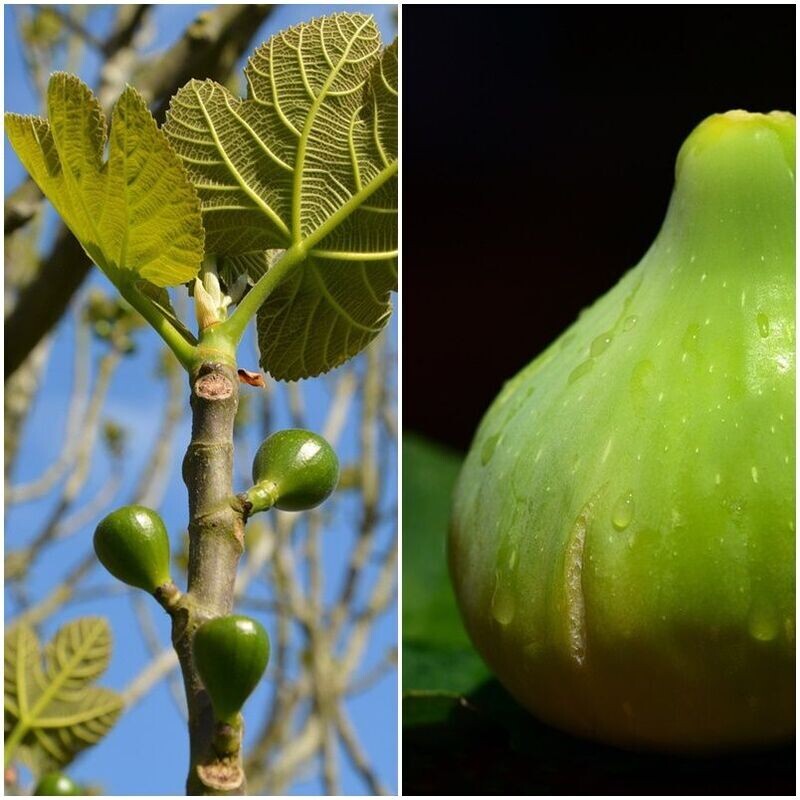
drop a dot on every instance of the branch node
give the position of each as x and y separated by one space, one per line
212 384
170 598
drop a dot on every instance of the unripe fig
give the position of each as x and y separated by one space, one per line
296 468
622 543
133 545
231 654
55 784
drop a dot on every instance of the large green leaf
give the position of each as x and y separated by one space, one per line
309 157
52 710
136 215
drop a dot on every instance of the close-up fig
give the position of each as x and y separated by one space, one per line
56 784
230 654
133 545
293 470
622 540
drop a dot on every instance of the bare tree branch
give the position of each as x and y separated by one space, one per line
164 663
77 28
25 492
357 756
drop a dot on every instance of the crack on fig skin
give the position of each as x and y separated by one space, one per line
573 574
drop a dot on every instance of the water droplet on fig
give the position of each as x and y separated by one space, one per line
763 625
642 379
690 337
600 344
487 451
582 369
502 601
762 320
622 514
630 322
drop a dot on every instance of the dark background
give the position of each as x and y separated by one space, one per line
538 153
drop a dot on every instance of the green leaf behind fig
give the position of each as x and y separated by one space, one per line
136 215
52 710
310 157
437 654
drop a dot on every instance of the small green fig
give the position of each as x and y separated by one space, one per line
133 545
231 654
622 544
296 470
55 784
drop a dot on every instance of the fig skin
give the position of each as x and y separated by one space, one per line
56 784
298 468
622 540
132 543
230 654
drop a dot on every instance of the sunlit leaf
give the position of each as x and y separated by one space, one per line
52 710
136 215
310 156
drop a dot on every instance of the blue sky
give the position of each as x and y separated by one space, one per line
374 712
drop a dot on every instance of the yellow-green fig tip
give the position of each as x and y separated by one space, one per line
742 133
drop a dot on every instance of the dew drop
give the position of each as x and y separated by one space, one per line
502 601
512 559
762 320
582 369
754 474
487 451
622 514
642 379
629 322
763 625
690 337
600 344
566 340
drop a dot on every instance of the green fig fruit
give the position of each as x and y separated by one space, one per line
231 654
294 470
55 784
133 545
622 542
